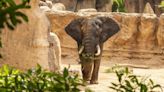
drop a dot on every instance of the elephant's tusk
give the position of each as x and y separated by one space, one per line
98 50
81 49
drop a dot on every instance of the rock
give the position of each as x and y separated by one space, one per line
45 8
42 3
160 32
58 27
58 7
147 29
148 9
55 52
127 36
137 40
87 10
49 3
27 45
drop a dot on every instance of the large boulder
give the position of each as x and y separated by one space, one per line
139 40
58 7
28 44
160 32
127 36
147 32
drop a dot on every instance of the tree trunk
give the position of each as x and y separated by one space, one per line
132 6
84 4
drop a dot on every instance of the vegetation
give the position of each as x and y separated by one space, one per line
161 5
128 82
11 15
38 80
118 6
117 68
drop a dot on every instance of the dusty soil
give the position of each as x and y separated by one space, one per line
140 67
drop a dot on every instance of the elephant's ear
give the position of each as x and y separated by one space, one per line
74 29
109 28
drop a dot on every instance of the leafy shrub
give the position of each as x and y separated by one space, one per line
128 82
161 5
10 14
117 68
118 6
38 80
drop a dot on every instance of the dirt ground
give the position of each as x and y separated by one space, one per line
140 67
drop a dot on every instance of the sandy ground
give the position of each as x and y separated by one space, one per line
155 73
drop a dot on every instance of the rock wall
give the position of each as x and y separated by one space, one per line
141 36
28 44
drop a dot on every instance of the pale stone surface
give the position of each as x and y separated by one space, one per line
87 10
148 9
42 3
28 44
49 3
160 32
45 8
127 36
147 31
58 7
54 53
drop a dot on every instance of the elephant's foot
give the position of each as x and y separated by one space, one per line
86 79
94 82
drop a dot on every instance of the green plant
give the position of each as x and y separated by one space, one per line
117 68
10 13
161 5
128 82
88 90
38 80
118 6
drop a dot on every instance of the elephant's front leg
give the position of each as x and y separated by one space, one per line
94 78
86 69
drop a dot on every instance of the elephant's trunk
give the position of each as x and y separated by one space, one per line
98 50
89 46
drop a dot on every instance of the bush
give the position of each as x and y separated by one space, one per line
38 80
10 14
118 6
128 82
117 68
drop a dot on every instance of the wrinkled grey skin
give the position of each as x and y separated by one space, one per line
91 33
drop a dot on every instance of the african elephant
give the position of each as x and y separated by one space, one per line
90 34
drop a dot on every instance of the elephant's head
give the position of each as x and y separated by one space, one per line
91 33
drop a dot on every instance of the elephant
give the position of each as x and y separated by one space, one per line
90 35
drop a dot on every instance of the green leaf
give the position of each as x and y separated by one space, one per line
65 72
10 26
13 19
143 88
128 84
151 81
119 75
11 2
23 16
157 86
114 84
